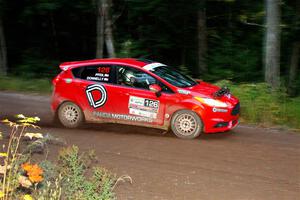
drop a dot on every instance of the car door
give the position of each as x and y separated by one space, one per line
95 91
136 103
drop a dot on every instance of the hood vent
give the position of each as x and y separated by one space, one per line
221 92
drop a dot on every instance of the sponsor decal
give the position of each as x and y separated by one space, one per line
101 75
181 91
68 80
98 77
104 70
143 107
122 117
219 110
96 95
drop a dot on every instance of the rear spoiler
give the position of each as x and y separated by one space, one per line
64 67
221 92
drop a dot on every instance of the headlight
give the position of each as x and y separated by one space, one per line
211 102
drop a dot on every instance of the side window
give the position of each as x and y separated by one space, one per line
165 88
135 78
98 73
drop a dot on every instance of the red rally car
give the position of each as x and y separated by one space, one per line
141 92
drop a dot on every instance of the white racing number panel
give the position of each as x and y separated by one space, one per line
143 107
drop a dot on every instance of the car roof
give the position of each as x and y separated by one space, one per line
117 61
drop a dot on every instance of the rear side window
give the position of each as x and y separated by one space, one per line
97 73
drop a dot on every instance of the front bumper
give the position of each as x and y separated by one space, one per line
220 126
220 121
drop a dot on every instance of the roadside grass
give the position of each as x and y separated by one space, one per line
11 83
259 105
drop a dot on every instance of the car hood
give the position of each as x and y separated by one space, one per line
207 90
203 89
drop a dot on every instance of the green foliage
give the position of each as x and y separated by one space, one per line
67 179
260 105
50 170
13 176
34 65
54 31
25 85
100 186
73 167
230 57
157 29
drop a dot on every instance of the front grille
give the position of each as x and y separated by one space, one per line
234 122
236 109
221 124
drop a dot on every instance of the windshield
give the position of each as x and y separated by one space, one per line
173 77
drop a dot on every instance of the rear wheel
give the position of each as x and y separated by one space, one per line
70 115
186 124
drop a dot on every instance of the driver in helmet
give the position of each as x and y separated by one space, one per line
128 77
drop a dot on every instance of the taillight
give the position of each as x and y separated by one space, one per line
55 80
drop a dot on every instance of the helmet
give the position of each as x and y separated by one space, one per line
128 77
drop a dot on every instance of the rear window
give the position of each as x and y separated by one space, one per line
97 73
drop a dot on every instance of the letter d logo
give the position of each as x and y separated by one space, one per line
96 90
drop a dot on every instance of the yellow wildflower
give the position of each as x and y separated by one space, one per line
5 121
20 116
2 154
27 197
9 123
1 194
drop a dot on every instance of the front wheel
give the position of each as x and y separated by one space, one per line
70 115
186 124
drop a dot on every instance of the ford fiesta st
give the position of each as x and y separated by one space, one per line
141 92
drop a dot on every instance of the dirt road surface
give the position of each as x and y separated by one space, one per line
247 163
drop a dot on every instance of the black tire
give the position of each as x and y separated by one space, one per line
70 115
186 124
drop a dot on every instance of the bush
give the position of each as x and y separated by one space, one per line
261 105
22 178
73 167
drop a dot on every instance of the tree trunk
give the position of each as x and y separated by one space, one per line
3 51
272 53
100 29
109 40
294 68
202 40
294 64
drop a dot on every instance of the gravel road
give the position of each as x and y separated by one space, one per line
247 163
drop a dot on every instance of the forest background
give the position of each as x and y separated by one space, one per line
252 44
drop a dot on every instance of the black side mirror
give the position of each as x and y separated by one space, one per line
156 89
